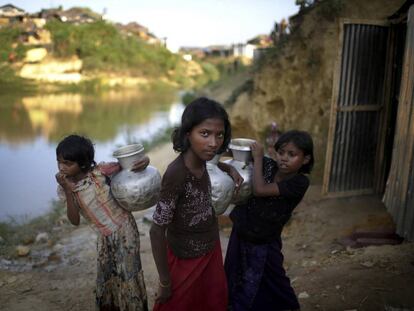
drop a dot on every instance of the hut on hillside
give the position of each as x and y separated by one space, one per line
371 136
11 14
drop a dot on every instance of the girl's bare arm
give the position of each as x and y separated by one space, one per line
159 252
111 168
141 164
72 210
260 187
232 172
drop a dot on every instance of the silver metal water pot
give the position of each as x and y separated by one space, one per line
222 186
135 191
242 162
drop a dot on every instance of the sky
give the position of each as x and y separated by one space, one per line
185 22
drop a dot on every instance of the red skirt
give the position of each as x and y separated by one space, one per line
197 283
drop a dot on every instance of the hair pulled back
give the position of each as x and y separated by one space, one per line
195 113
303 141
78 149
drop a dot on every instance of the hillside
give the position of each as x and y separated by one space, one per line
293 85
51 49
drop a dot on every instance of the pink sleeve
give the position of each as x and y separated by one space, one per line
109 168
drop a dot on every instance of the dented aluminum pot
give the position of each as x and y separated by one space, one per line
135 191
242 162
222 186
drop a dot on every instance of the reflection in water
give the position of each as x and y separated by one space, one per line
30 128
71 103
42 109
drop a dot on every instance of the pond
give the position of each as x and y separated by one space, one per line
31 127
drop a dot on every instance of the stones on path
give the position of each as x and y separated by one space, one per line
42 237
22 251
367 264
12 279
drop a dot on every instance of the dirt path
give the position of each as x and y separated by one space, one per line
325 274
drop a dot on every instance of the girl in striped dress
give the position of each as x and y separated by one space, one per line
84 186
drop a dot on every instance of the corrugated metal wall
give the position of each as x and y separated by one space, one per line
358 109
399 192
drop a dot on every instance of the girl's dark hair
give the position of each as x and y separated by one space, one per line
196 112
78 149
301 140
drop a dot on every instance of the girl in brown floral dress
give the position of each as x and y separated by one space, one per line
184 235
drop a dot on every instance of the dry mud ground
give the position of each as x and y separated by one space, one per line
325 274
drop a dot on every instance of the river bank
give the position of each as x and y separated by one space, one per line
327 274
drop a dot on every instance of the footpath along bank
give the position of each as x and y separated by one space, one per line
325 272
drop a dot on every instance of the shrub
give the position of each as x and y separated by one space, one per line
102 47
8 36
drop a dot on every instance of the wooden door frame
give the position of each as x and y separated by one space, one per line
335 109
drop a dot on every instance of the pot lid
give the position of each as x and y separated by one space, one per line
242 144
128 150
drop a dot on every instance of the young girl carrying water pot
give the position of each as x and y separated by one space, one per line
184 234
84 187
254 259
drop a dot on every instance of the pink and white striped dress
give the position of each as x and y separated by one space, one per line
120 279
96 204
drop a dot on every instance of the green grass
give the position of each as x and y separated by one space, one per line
10 83
9 38
102 47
